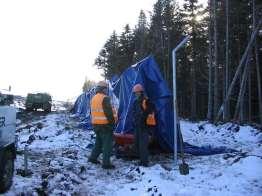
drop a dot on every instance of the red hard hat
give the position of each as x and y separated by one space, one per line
138 88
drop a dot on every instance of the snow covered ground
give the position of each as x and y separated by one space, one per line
58 152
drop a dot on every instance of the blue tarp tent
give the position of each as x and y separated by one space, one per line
147 73
82 108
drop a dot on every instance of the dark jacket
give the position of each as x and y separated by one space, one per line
139 114
108 110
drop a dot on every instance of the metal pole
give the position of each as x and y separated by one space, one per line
174 94
174 105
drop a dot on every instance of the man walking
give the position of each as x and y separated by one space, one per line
103 119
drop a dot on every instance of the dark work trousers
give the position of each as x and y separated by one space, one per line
152 131
141 144
103 143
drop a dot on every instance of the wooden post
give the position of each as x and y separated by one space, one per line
240 101
230 89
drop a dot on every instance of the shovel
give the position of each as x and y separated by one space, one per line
183 167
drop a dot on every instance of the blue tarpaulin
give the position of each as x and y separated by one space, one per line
147 73
82 108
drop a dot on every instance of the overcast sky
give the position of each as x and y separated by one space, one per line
51 45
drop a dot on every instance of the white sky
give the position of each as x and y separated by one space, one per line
51 45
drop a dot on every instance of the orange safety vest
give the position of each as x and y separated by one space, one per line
97 112
151 120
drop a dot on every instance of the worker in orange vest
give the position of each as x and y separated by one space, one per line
103 118
143 119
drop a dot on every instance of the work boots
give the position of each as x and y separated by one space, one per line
93 161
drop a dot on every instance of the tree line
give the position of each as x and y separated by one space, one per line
219 69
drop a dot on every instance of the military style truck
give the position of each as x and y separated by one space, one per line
7 145
38 101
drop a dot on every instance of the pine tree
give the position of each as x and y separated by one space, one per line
219 39
108 58
216 83
126 47
166 30
258 61
141 37
192 11
170 34
156 35
242 90
210 63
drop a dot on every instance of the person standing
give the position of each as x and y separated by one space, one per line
103 118
143 119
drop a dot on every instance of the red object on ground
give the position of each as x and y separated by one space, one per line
124 139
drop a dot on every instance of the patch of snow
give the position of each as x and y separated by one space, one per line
58 152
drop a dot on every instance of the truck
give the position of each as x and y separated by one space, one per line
38 101
7 146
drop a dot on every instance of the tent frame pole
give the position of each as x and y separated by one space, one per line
182 43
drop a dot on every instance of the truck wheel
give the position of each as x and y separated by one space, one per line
28 109
7 172
48 109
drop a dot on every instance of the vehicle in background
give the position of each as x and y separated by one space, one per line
38 101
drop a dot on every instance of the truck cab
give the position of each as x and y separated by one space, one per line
7 146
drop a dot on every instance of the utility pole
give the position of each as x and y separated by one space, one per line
176 123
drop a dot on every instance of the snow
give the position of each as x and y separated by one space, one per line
202 180
58 151
230 135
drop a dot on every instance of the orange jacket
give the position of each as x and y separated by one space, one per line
97 111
